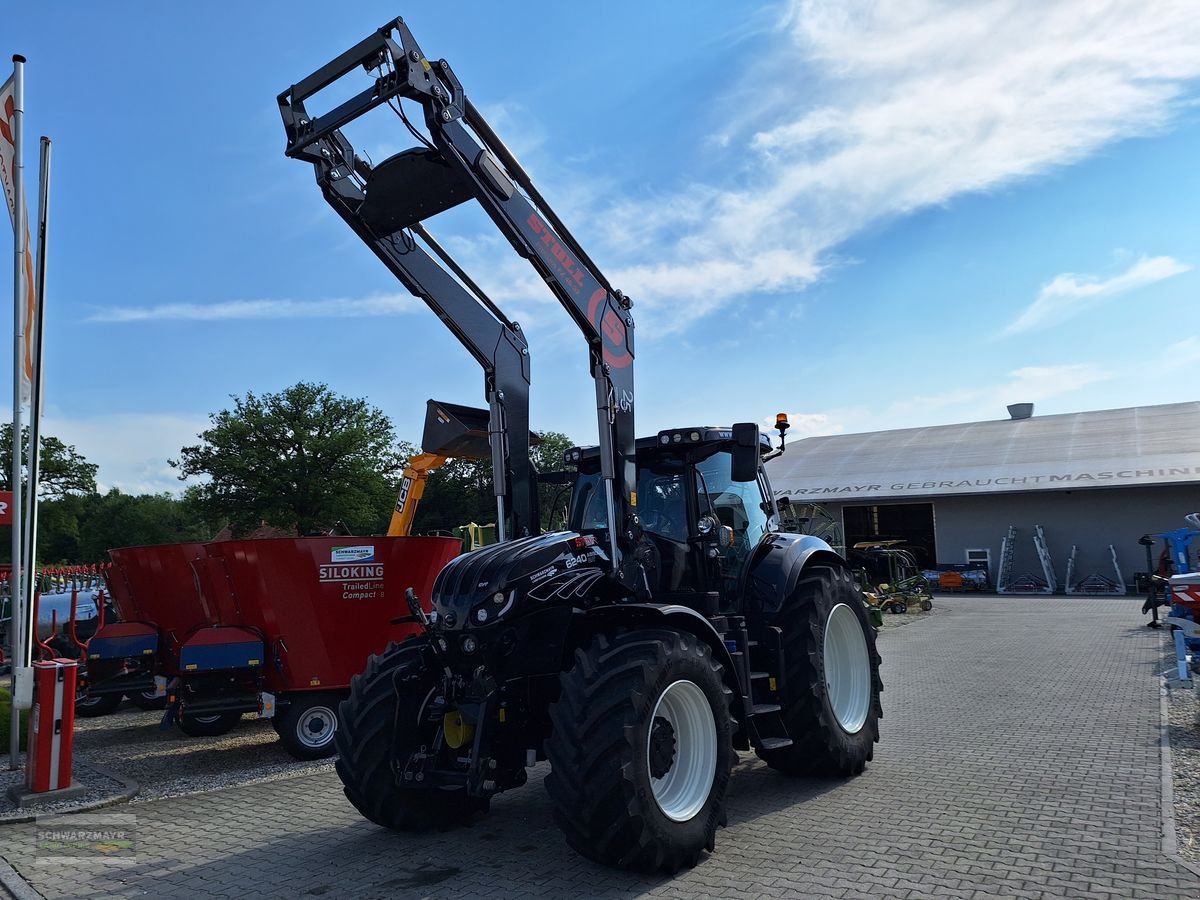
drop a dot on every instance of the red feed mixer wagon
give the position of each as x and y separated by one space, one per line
154 595
274 626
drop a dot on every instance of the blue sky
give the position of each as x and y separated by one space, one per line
870 215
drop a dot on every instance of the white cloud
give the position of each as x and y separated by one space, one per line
857 112
805 425
1184 353
131 449
865 111
1029 384
339 308
1069 294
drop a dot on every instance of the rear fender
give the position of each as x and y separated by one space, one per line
776 567
601 619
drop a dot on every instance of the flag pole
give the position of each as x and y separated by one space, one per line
20 665
29 552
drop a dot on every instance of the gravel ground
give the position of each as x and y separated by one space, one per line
101 788
1183 716
168 763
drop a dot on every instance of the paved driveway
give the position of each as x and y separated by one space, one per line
1020 758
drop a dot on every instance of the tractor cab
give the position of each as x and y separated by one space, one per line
701 517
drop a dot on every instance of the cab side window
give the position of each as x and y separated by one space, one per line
738 504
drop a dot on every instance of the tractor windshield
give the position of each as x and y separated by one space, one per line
738 504
661 501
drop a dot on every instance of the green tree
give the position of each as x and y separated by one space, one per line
552 498
123 520
302 458
82 529
61 469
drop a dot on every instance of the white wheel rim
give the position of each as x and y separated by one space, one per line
315 727
682 790
847 669
206 720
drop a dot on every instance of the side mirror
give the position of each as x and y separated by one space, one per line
746 452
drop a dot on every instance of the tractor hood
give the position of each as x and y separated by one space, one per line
486 585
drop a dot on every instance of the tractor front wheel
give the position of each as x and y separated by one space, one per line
640 750
381 722
832 683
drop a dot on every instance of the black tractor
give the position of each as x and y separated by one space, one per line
670 627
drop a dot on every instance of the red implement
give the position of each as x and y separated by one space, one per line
155 585
322 604
276 626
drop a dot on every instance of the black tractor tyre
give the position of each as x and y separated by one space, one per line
821 746
609 732
147 701
208 724
392 690
308 725
92 706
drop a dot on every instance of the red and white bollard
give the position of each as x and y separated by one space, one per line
51 726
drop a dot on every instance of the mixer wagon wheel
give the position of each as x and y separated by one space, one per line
307 725
208 725
92 706
147 701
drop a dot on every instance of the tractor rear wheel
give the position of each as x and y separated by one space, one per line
91 706
640 750
308 724
380 722
832 707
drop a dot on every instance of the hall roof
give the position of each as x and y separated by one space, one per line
1141 445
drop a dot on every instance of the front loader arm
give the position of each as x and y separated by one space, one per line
427 271
484 169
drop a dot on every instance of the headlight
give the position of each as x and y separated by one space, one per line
494 607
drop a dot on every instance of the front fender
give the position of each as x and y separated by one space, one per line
776 567
608 617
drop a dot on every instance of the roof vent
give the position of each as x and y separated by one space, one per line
1020 410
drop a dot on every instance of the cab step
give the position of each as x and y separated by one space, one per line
762 709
